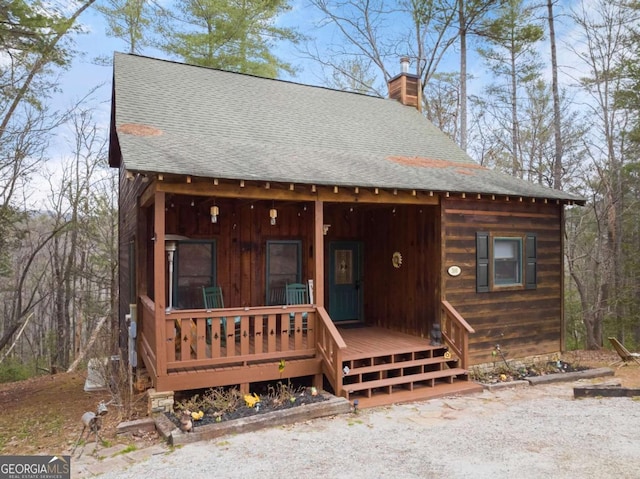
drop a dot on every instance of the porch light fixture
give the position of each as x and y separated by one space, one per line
215 212
273 214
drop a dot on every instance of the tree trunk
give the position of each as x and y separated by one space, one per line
463 75
557 127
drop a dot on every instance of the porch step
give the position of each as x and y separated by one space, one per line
400 365
408 381
410 372
419 393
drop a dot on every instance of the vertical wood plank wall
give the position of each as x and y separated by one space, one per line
241 235
128 229
523 322
403 299
406 298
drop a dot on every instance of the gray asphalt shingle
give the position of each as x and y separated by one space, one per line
218 124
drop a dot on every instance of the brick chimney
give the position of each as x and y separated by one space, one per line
406 87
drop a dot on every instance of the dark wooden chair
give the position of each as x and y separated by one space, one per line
625 355
297 293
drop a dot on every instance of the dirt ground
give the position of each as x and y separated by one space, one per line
43 415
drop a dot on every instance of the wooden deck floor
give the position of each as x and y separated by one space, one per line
400 363
363 342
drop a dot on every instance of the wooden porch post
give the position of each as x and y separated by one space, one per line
318 249
318 281
159 283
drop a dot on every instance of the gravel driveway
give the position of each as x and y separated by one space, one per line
533 432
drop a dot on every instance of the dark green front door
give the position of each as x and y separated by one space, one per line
345 281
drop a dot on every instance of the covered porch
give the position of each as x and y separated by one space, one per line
350 253
366 363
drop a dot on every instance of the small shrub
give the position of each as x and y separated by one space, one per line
13 370
222 400
282 393
193 403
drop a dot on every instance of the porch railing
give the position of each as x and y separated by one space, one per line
330 346
147 330
231 336
455 332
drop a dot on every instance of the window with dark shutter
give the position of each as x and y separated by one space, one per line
531 266
505 261
482 262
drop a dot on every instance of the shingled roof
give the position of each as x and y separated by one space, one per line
172 118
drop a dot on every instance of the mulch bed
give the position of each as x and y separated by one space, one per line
502 373
267 404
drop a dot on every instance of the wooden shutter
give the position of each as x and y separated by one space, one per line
482 262
531 266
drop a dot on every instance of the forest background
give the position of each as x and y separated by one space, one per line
544 90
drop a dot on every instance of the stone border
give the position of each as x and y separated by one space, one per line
506 385
551 378
174 436
575 376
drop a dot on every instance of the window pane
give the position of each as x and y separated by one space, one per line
344 266
194 269
505 249
507 261
283 267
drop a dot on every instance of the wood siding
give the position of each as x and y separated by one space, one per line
524 322
128 231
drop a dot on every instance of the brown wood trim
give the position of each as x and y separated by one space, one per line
159 278
364 195
330 348
194 379
518 214
148 195
455 332
245 360
453 312
318 253
344 194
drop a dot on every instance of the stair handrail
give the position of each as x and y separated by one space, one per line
455 332
329 344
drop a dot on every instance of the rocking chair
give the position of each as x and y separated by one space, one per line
212 298
297 293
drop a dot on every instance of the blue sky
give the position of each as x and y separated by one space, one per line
85 74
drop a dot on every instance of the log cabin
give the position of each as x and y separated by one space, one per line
414 260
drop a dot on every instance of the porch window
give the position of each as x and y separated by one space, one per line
505 262
195 267
284 266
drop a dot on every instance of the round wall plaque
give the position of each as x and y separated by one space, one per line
454 270
396 259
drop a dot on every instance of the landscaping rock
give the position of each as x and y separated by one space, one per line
574 376
506 385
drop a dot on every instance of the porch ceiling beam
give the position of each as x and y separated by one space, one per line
302 193
377 195
148 196
235 191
